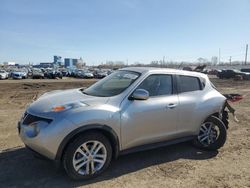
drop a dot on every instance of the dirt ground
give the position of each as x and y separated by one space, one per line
179 165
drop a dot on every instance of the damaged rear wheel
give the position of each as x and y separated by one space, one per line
212 134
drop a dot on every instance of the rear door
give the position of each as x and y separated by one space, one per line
190 97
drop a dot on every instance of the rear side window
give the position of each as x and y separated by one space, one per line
188 83
157 85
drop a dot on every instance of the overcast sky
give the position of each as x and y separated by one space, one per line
133 30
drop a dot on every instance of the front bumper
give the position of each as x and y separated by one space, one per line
36 143
47 139
36 154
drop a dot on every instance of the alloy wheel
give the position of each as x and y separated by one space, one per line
89 157
208 134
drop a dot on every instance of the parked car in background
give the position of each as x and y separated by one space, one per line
131 110
17 75
100 74
213 71
205 71
88 74
245 75
53 74
37 74
24 75
78 73
66 73
3 74
84 74
232 73
109 71
245 70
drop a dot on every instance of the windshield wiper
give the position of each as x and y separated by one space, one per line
82 90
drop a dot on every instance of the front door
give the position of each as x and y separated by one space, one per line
152 120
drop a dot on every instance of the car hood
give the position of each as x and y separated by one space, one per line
44 104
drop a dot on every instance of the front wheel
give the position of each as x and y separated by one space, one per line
212 134
87 156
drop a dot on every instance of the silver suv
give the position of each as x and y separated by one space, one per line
130 110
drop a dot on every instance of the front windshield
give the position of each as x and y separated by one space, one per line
112 85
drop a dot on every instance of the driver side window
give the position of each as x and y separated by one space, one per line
157 85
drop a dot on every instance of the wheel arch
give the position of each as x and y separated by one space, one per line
221 114
104 129
215 114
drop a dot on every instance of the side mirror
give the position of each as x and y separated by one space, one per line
140 94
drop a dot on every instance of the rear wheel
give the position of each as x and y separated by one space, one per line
87 156
212 134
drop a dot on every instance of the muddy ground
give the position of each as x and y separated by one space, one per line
179 165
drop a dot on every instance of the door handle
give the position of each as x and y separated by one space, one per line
171 105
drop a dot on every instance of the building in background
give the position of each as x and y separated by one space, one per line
9 63
73 63
57 60
69 63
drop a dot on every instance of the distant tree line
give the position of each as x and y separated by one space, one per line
168 64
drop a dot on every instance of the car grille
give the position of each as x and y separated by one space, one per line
28 119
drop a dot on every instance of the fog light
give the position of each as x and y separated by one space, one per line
33 129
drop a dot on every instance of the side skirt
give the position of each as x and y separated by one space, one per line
156 145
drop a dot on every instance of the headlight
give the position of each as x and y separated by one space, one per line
67 106
60 108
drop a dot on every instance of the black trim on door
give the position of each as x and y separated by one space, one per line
175 86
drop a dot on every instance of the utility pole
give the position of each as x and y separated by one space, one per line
163 61
230 60
219 57
246 54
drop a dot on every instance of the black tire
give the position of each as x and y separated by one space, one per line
225 118
221 139
72 147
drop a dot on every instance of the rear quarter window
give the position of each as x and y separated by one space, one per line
188 83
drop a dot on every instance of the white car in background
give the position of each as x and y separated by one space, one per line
4 74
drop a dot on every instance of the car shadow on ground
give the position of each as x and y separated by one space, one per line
20 168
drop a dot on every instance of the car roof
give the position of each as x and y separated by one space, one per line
143 70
